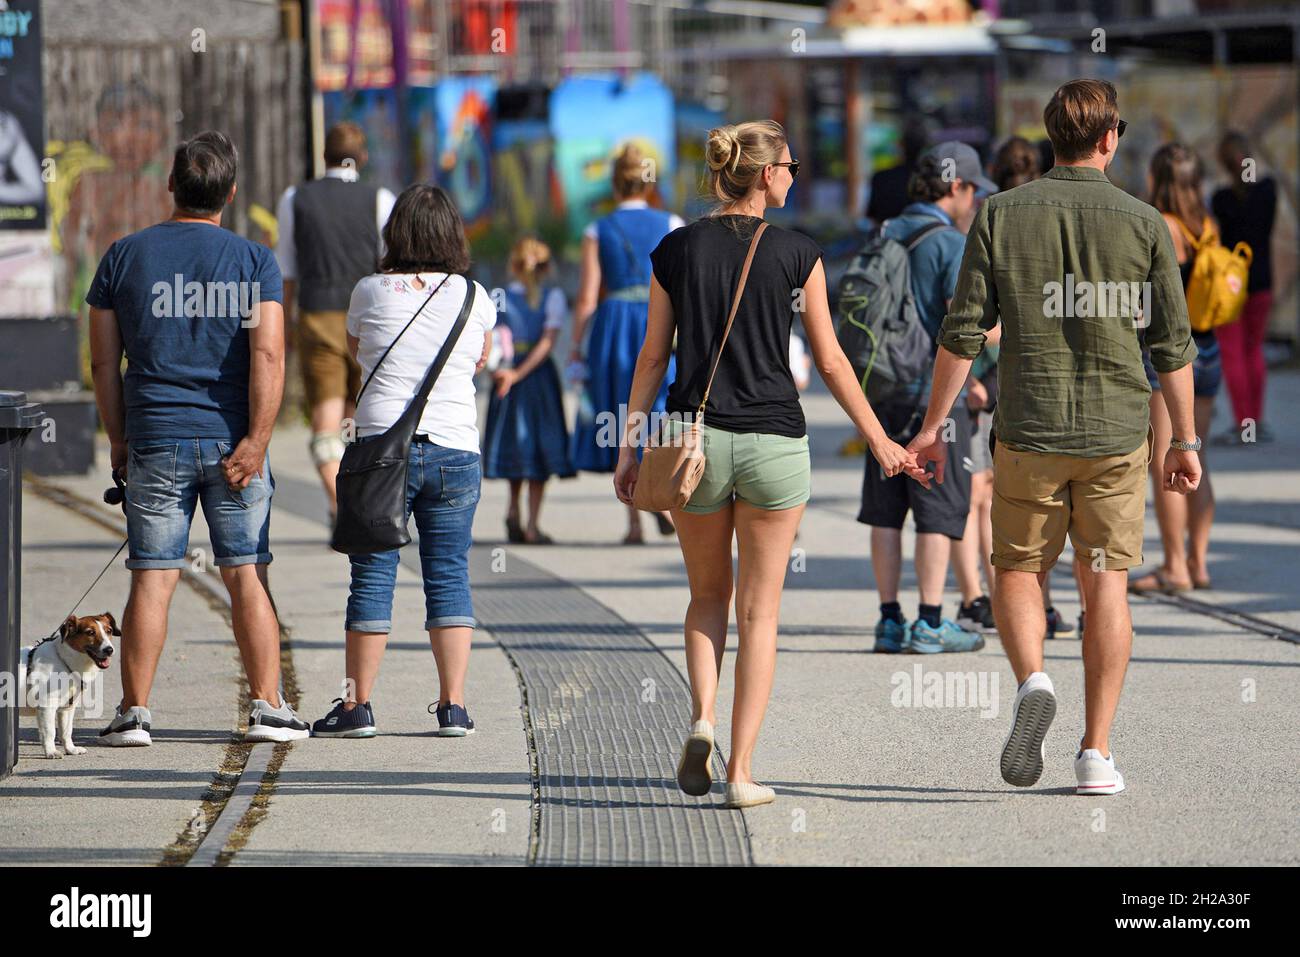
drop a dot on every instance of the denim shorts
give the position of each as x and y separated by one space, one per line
442 491
167 478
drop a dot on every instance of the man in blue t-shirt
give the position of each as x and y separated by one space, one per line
943 190
196 311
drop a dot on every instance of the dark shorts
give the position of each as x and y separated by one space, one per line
940 509
1207 368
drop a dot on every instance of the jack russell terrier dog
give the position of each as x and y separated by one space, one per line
54 673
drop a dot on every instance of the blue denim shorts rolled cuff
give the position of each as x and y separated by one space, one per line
167 479
442 492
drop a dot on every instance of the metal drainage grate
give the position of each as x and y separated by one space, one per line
608 714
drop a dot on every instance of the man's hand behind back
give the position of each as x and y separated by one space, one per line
241 465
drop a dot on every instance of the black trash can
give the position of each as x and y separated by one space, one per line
17 418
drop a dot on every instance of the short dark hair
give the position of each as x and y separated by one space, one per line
1077 116
928 183
203 171
425 232
345 141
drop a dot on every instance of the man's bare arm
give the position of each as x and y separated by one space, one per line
265 391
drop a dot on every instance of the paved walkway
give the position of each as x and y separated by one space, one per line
576 685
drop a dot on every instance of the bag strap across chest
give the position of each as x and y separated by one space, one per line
731 318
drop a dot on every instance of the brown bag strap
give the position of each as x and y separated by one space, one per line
735 304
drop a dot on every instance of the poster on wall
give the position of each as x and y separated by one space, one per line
22 117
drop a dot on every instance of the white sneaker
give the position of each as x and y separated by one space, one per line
1022 754
1095 774
266 723
130 730
694 770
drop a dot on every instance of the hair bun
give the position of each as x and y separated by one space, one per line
723 149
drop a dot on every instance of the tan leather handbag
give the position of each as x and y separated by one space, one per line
670 472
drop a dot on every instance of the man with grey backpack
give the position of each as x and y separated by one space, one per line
893 299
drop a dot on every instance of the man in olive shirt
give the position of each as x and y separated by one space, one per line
1076 270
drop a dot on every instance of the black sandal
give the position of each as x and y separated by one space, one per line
515 532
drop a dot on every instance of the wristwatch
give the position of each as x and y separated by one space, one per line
1194 446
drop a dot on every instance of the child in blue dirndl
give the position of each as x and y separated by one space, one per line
526 439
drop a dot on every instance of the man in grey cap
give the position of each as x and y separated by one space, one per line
942 191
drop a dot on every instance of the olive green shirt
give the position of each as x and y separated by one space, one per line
1079 272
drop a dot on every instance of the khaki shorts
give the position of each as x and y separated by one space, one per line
1038 498
767 471
328 370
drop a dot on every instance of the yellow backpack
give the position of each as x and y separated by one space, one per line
1216 292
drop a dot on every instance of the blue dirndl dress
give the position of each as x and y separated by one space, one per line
526 437
625 239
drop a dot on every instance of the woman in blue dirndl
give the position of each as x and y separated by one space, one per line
526 439
615 286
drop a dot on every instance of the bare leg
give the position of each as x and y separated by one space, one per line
706 548
1018 612
451 652
764 538
984 506
364 652
1200 504
932 550
327 417
887 561
1171 507
257 629
144 631
1107 642
536 489
633 525
966 553
512 510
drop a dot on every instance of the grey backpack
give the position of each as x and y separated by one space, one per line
880 329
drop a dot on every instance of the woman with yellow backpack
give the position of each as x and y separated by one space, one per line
1214 279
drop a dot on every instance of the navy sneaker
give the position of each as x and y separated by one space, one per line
1058 626
358 722
948 637
977 616
891 637
453 720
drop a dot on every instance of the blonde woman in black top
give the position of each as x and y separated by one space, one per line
757 477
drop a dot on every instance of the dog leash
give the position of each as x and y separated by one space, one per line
113 496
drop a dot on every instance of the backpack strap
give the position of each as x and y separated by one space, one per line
735 303
924 233
1208 236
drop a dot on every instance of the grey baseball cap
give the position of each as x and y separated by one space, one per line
966 165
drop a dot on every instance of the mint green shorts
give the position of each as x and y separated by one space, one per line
767 471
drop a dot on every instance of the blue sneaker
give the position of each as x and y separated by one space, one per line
892 637
949 636
453 720
342 723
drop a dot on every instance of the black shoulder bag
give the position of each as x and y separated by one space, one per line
372 476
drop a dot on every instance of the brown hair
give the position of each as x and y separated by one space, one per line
1016 163
425 233
737 156
1077 115
345 141
628 172
1176 185
1233 148
530 259
203 171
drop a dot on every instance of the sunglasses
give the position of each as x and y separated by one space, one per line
1121 127
794 168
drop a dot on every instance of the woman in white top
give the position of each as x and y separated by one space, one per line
426 254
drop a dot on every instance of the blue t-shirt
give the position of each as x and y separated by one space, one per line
181 293
935 264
